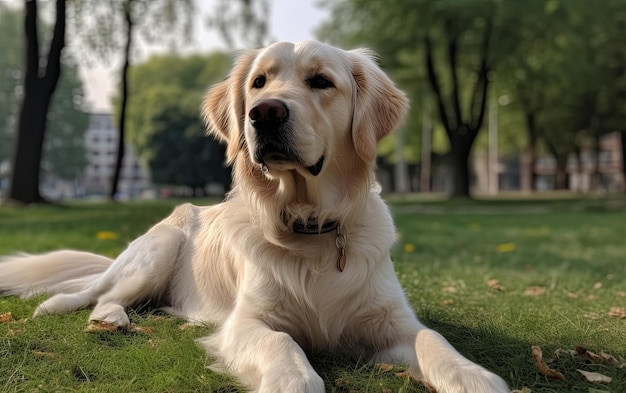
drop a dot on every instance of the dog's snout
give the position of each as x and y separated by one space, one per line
268 113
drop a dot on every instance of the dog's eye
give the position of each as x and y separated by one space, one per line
259 82
320 82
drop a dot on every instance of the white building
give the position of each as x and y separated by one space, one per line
101 148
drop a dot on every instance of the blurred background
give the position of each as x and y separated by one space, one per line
100 99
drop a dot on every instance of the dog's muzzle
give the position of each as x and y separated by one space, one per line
273 135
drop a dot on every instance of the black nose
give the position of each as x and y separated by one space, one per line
268 114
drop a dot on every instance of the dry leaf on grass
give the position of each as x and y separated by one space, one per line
535 291
495 284
599 358
100 326
6 317
384 367
620 294
617 312
542 367
523 390
595 377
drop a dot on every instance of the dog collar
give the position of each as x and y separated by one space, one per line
312 227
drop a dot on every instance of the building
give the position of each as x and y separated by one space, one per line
101 141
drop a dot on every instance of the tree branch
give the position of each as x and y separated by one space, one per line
31 42
53 66
452 62
479 95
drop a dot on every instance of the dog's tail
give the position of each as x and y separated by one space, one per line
56 272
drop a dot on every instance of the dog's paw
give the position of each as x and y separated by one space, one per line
284 381
112 314
471 378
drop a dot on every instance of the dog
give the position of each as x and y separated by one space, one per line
295 260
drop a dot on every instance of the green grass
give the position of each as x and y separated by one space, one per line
561 263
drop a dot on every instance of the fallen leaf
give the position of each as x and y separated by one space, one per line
100 326
450 289
6 317
141 329
573 295
447 302
535 291
542 367
599 358
557 354
14 332
523 390
597 285
403 374
620 294
495 284
617 312
384 367
595 377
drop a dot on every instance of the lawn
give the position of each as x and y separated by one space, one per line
495 277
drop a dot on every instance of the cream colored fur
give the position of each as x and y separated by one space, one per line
276 295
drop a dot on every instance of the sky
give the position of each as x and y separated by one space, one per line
291 20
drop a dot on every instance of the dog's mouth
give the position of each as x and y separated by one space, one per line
286 158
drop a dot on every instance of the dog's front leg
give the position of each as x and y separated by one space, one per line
436 363
264 359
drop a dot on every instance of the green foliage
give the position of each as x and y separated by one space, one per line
10 77
559 63
163 119
101 31
571 249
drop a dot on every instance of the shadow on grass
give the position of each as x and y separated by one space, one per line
512 360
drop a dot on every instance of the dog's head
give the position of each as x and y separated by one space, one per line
299 114
290 106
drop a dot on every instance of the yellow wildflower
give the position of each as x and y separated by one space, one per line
107 235
506 247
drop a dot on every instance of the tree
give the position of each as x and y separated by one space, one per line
179 153
241 20
102 23
164 125
41 75
449 43
566 73
63 151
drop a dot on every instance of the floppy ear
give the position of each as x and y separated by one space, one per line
379 106
223 108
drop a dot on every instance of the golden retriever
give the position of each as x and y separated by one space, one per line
296 260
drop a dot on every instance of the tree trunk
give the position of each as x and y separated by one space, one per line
461 145
461 130
39 86
623 140
529 176
122 124
560 176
